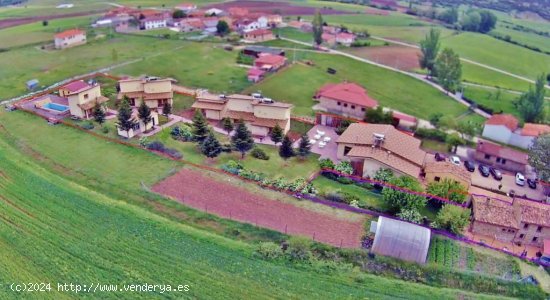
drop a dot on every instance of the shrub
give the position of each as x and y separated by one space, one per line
345 180
232 166
432 134
299 249
411 215
105 130
144 141
173 153
269 250
334 196
344 167
227 148
348 197
326 163
259 154
88 125
156 146
181 133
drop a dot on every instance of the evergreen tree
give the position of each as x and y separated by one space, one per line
242 139
200 126
317 25
227 125
211 147
99 114
125 119
167 109
429 48
222 28
305 147
448 70
144 113
285 150
276 134
531 103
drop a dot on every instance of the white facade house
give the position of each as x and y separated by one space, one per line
263 22
213 12
497 133
503 128
153 23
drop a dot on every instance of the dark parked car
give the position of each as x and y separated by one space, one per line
484 170
469 165
532 183
496 173
439 157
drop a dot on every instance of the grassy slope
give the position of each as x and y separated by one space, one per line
480 75
112 241
390 89
526 38
499 54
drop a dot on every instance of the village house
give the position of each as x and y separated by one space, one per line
300 25
270 62
438 171
238 12
501 157
139 126
274 20
341 38
257 51
259 35
213 12
504 128
523 222
370 147
69 38
153 23
346 99
82 98
255 74
258 113
156 92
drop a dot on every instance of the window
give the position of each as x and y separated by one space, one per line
436 178
503 229
487 156
85 96
535 238
498 159
347 150
511 231
338 103
521 236
345 105
362 109
525 226
503 161
353 107
539 229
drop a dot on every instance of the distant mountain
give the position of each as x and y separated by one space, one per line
540 7
11 2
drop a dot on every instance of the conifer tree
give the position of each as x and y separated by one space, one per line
200 126
276 134
211 147
242 139
285 150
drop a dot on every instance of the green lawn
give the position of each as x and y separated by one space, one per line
526 38
370 199
37 33
181 103
285 44
393 19
294 34
499 54
480 75
391 89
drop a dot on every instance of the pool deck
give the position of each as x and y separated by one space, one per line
48 114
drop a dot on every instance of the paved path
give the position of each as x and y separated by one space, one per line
417 76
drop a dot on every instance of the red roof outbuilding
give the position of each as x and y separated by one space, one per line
68 33
502 152
270 59
76 86
347 92
504 119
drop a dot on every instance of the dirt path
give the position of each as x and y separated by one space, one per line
10 22
228 201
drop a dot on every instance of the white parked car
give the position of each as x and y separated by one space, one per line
455 160
520 179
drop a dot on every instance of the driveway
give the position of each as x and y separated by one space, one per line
329 151
508 183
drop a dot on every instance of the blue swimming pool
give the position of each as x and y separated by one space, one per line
56 107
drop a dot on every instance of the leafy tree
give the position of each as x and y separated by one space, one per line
285 150
548 78
429 48
167 109
539 156
468 129
304 148
45 23
200 126
471 21
99 114
378 116
531 104
222 28
448 189
144 113
449 16
384 175
343 126
448 69
452 218
211 147
454 140
435 118
447 122
178 14
411 215
242 139
317 25
326 163
276 134
114 54
398 200
125 119
227 125
487 22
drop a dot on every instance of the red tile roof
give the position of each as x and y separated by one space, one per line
76 86
530 129
68 33
255 72
270 59
259 32
502 152
347 92
503 119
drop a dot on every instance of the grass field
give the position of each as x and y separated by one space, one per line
37 33
115 222
480 75
499 54
391 89
526 38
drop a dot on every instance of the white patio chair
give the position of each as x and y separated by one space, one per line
326 139
317 136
